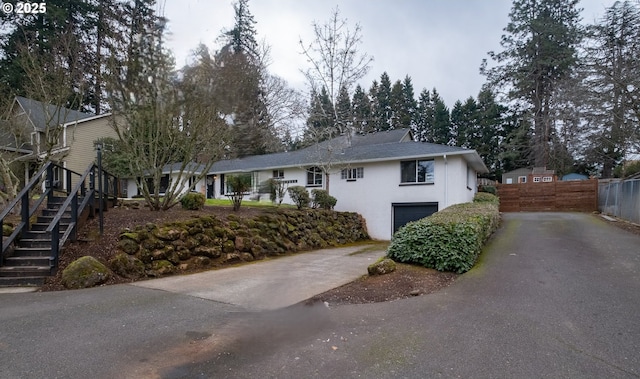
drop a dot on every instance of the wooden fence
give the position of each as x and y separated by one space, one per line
579 196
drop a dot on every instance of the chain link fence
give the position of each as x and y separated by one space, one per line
620 198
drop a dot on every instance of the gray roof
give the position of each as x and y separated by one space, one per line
40 113
375 147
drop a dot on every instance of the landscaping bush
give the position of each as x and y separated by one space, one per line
299 196
193 201
238 185
449 240
322 199
484 197
488 189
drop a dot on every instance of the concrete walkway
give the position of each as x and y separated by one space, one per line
275 283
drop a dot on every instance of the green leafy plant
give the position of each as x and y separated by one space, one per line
238 186
485 197
192 201
275 188
300 196
322 199
449 240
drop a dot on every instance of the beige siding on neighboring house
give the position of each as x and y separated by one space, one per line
80 137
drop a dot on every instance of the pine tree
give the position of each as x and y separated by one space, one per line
539 51
612 84
344 113
441 132
424 117
382 113
361 105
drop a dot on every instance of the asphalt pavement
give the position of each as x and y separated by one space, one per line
555 295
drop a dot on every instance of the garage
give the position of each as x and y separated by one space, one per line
407 212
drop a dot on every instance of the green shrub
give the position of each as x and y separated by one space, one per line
322 199
299 196
485 197
276 189
449 240
238 185
488 189
193 201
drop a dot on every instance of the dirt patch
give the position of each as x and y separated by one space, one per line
622 224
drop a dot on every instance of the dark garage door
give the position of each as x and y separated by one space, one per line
407 212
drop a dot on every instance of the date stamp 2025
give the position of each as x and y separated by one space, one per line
23 8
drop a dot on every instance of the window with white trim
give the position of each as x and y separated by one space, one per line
536 179
417 171
278 174
314 177
350 174
547 179
522 179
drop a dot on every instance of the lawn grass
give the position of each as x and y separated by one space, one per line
245 203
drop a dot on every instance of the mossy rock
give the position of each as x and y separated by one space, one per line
7 230
127 266
228 247
162 268
169 233
382 266
152 244
129 246
208 251
202 261
84 273
131 236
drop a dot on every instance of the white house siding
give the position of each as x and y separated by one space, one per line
373 195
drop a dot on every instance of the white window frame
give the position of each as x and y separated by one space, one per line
536 179
547 179
278 174
314 177
429 175
522 179
351 174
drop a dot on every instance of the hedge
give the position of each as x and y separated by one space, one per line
449 240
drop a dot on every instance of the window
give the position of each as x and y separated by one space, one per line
522 179
547 179
314 177
418 171
278 174
536 179
351 174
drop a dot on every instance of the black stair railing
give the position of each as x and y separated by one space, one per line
84 188
26 211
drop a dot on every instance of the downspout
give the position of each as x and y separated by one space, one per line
446 178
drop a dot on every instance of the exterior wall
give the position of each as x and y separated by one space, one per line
372 196
81 137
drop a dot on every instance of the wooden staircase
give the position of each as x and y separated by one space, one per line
30 253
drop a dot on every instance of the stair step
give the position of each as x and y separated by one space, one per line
24 251
27 261
43 242
41 227
22 281
25 271
52 212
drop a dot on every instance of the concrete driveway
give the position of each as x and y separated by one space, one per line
554 296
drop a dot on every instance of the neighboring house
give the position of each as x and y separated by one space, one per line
529 175
71 135
170 175
574 177
386 177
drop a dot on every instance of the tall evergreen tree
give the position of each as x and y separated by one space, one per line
343 112
361 105
441 131
539 45
382 110
424 118
612 78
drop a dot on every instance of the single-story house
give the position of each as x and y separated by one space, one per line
387 177
529 175
170 175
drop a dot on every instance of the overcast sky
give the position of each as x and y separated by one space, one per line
438 43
